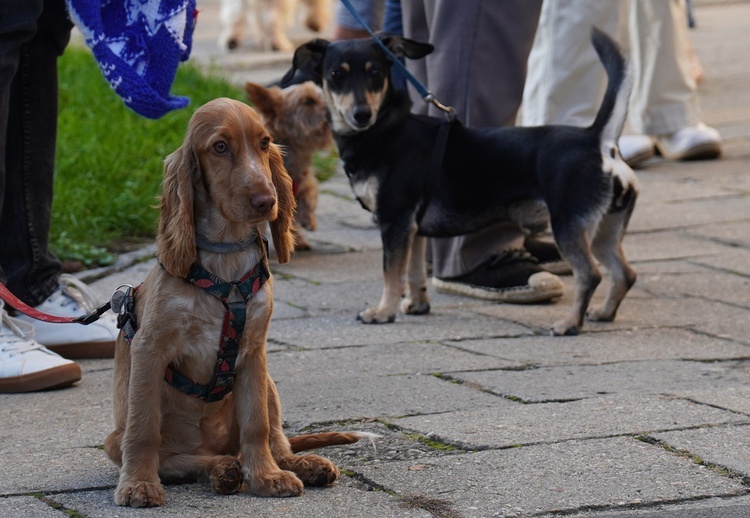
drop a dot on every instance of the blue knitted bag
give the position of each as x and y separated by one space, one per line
138 45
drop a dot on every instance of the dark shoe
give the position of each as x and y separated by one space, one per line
513 276
548 255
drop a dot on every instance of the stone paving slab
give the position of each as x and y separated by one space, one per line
329 397
510 426
711 317
605 347
335 331
720 445
569 382
556 477
28 507
344 500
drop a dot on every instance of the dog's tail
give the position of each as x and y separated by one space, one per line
320 440
611 117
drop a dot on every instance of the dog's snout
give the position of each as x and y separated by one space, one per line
263 202
362 114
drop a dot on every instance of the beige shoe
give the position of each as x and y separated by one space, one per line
636 149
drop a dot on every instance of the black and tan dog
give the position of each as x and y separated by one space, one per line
478 176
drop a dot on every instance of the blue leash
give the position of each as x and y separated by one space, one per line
426 94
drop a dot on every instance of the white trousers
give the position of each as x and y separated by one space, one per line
566 82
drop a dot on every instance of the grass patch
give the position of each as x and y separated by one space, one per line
109 159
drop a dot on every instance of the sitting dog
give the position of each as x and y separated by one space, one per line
424 176
296 117
270 19
183 411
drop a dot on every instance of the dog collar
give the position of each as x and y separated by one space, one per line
224 248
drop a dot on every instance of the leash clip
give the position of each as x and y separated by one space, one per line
449 111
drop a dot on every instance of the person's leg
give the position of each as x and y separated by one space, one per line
346 25
566 82
31 269
665 99
478 67
25 365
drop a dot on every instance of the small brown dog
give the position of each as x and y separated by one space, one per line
296 117
225 180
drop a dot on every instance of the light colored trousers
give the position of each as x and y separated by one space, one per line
478 67
566 82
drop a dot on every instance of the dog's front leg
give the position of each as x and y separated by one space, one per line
139 484
263 475
416 301
397 237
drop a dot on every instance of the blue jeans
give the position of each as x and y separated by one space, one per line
33 34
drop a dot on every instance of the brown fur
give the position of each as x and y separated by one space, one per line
296 117
213 185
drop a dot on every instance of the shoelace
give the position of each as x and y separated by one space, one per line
514 255
20 339
76 292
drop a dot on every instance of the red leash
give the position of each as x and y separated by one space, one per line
21 306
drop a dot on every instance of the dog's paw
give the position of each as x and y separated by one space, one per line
276 483
564 328
226 476
376 316
414 307
139 493
600 314
312 470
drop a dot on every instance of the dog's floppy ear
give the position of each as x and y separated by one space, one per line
281 227
404 47
265 100
175 241
306 64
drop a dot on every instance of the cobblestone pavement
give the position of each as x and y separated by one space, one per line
480 412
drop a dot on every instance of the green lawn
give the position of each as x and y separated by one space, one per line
109 159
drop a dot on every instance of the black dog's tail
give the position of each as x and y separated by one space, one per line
611 117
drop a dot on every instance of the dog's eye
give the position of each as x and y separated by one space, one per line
337 75
220 147
376 73
265 142
309 101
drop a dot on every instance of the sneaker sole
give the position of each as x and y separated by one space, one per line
707 151
84 350
542 287
56 377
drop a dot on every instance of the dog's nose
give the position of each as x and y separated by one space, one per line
263 202
361 114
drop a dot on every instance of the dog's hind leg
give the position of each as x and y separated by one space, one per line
574 247
416 300
312 470
223 471
397 238
607 248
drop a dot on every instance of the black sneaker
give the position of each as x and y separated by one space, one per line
548 255
513 276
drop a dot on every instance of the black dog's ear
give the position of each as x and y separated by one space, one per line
306 64
404 47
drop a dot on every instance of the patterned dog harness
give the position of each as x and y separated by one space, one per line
234 324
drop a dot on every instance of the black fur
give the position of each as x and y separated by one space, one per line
482 173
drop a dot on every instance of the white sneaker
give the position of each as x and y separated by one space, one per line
73 299
25 364
697 142
636 148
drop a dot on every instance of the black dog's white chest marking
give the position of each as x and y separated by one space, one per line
366 191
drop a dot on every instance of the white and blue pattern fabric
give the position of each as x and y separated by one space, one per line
138 45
